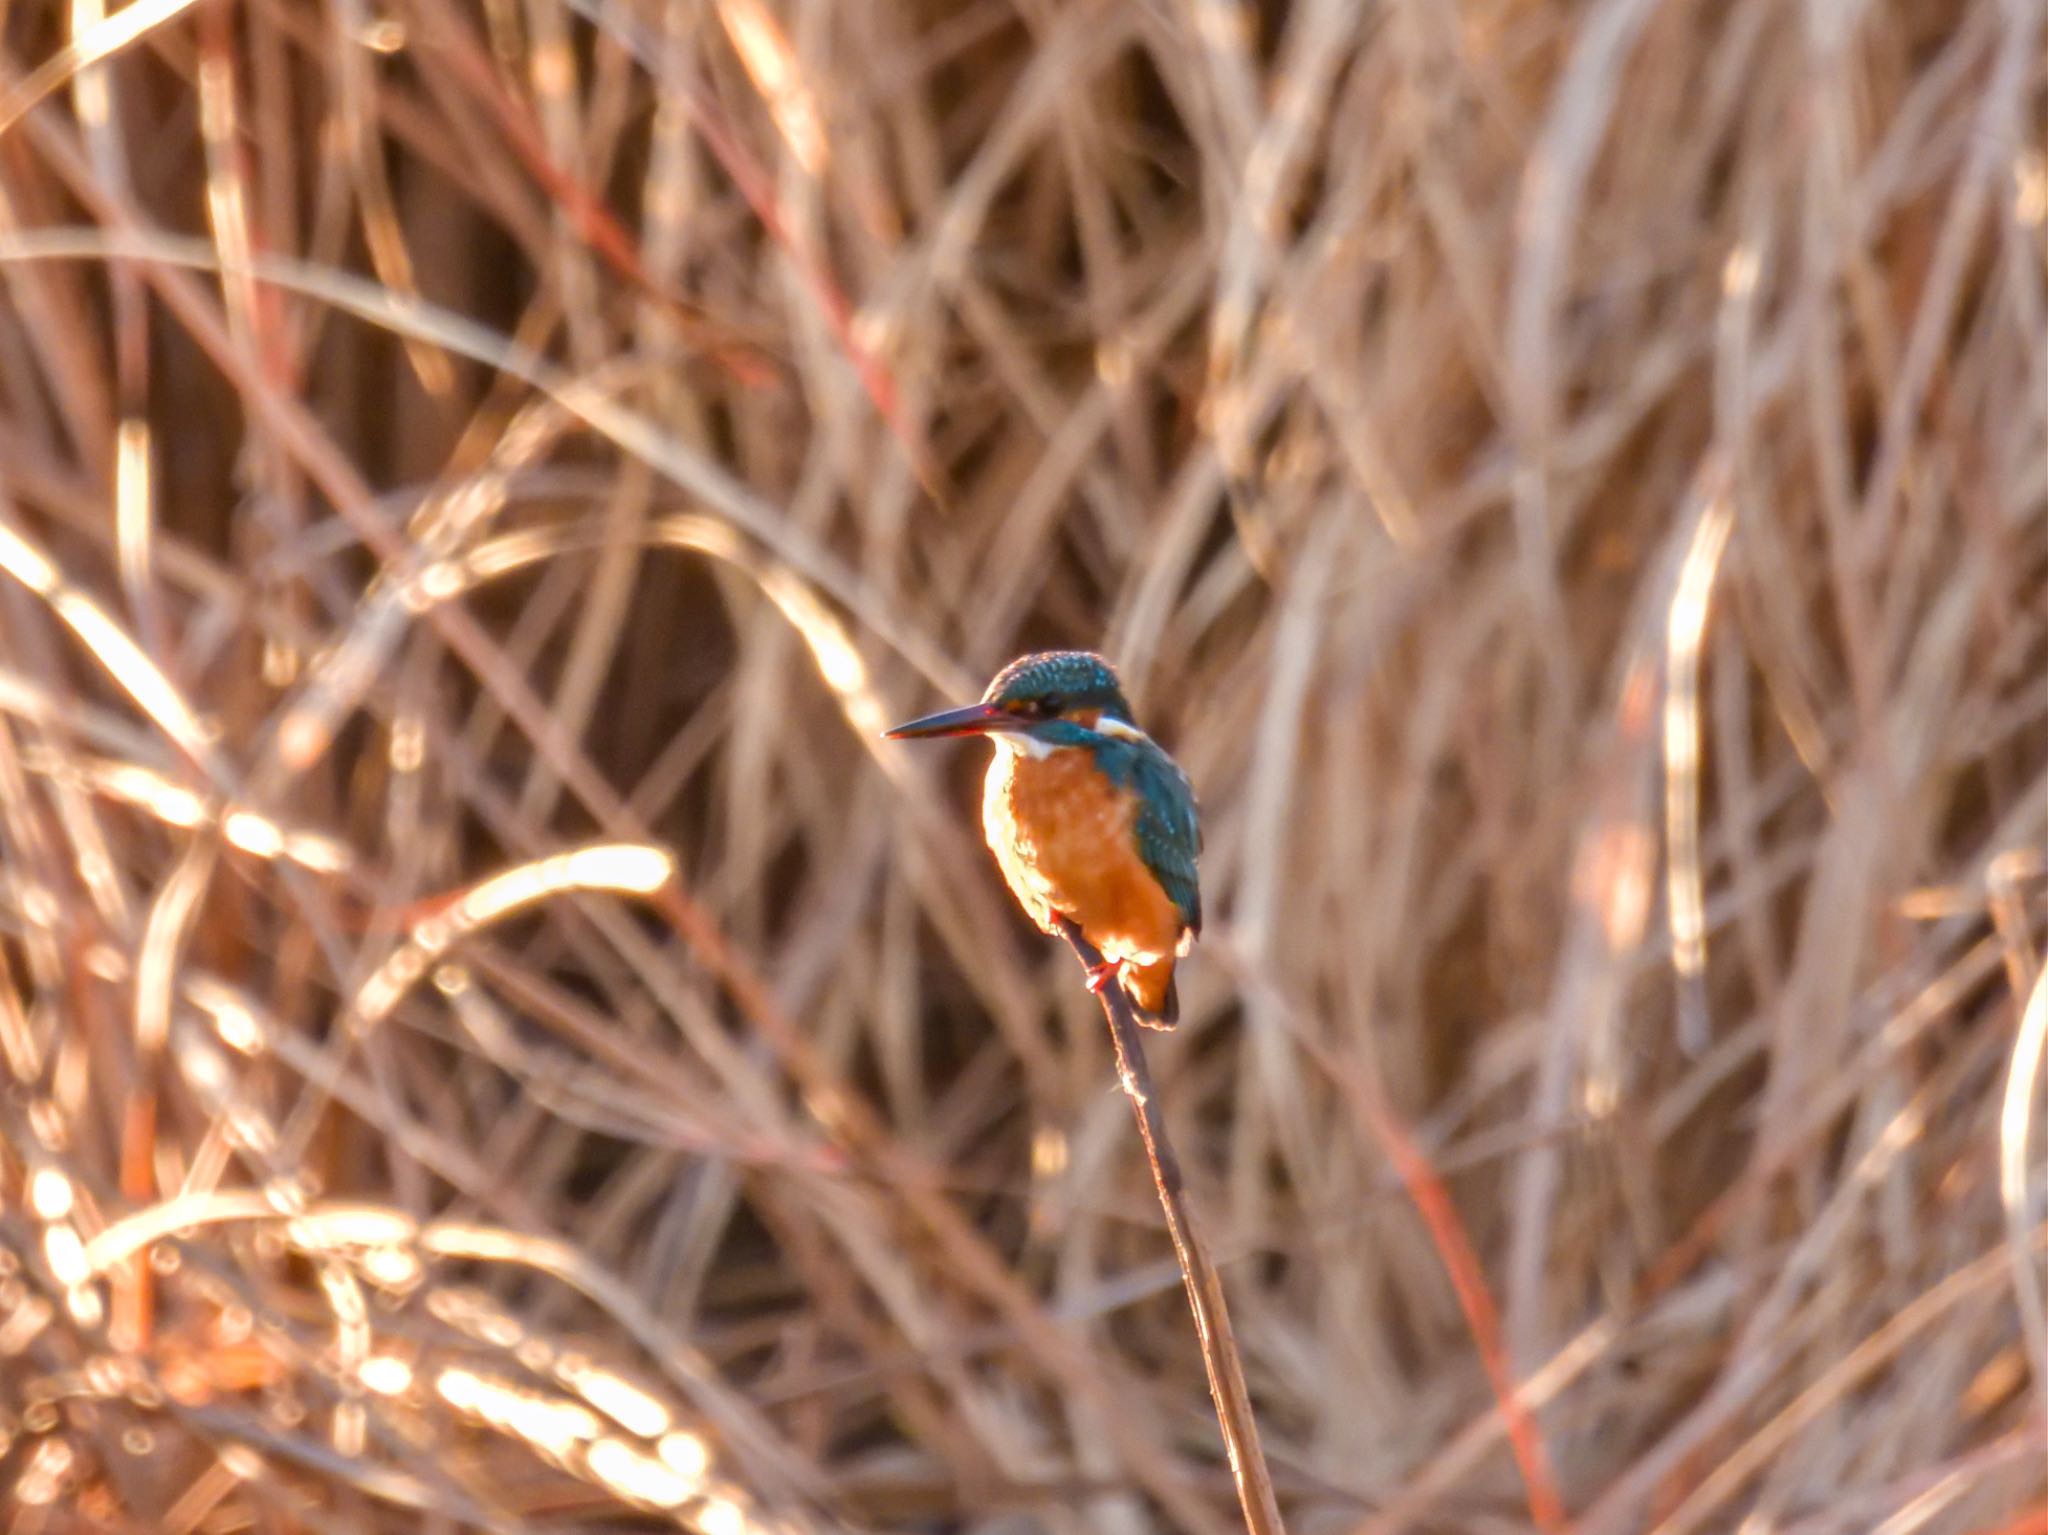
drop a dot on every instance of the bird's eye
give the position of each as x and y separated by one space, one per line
1049 707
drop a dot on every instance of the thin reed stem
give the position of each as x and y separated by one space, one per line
1220 1357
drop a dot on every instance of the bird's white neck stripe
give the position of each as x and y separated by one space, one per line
1110 725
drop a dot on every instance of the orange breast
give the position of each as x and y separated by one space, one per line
1062 833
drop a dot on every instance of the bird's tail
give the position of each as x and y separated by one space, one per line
1154 997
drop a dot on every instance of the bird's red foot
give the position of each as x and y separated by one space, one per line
1101 975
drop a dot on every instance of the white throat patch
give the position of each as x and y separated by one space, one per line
1019 745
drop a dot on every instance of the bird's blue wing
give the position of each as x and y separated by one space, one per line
1169 834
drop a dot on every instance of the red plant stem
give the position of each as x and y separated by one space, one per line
1447 1230
600 229
1432 1201
2033 1522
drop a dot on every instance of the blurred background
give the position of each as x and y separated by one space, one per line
493 1041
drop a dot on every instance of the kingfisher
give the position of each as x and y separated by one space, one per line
1089 819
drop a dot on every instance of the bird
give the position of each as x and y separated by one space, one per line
1090 821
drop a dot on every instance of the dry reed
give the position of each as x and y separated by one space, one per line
489 1041
1208 1303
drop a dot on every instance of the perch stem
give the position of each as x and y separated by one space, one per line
1220 1356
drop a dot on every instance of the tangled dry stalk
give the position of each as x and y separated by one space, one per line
490 1042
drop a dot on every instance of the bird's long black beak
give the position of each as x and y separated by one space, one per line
971 720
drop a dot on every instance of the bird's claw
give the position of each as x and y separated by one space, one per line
1101 975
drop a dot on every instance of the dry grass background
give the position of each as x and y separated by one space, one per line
1569 480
